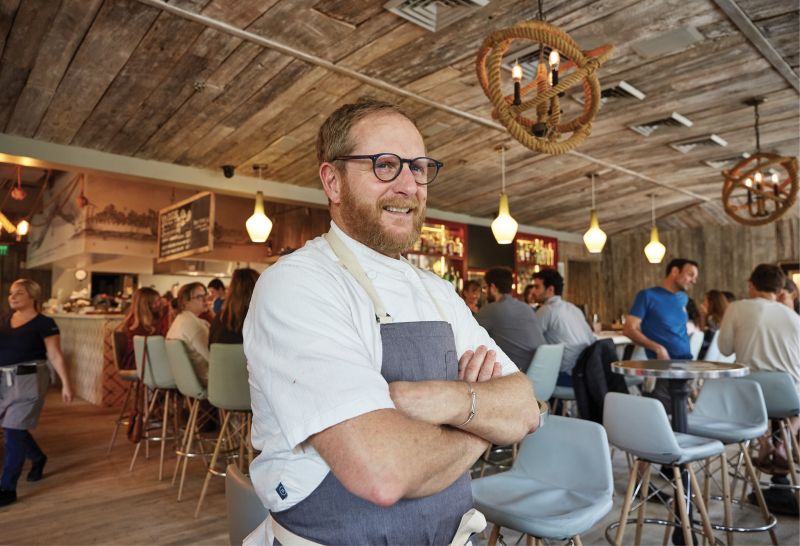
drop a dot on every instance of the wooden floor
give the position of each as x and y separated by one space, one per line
88 497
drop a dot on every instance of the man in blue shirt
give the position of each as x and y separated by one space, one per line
657 320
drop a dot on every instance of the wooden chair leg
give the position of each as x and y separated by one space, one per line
192 429
626 503
212 464
577 540
495 534
148 408
756 486
680 498
120 417
701 504
643 495
787 448
164 421
726 496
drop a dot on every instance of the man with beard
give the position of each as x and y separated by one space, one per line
511 322
658 318
373 388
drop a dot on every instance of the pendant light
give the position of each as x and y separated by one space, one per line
258 225
504 227
654 250
594 238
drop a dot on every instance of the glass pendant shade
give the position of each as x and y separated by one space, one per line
504 227
23 227
594 238
259 225
654 250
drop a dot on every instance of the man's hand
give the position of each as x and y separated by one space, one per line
479 365
661 352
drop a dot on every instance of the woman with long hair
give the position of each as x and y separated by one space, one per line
144 318
28 340
227 325
713 309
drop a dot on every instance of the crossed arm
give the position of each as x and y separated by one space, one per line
414 450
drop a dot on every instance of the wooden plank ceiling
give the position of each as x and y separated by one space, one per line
125 77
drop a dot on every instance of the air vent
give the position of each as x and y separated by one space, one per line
667 43
433 15
725 162
686 146
620 90
673 120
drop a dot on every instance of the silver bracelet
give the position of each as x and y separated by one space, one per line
473 406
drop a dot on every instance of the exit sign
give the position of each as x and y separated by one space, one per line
3 250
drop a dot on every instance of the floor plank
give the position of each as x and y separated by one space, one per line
88 497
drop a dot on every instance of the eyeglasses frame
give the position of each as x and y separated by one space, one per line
374 158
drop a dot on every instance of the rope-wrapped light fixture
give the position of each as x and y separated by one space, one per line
547 132
763 186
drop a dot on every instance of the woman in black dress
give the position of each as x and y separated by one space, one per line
28 340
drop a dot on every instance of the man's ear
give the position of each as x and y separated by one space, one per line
331 182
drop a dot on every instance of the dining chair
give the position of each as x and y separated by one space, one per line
560 486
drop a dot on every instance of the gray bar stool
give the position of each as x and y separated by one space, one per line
229 391
191 388
733 411
640 426
160 387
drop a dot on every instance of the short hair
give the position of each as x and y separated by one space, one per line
501 277
33 289
768 278
216 284
471 284
185 294
551 277
679 263
333 138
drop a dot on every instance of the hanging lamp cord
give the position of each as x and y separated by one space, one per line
541 11
503 168
758 135
593 207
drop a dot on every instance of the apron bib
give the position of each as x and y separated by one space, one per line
412 351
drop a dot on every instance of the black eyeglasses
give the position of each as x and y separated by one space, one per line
387 166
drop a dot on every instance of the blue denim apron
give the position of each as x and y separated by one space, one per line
412 351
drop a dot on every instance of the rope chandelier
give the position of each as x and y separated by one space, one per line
763 186
546 132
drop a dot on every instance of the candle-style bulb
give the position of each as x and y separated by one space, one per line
554 59
748 182
516 72
774 178
758 178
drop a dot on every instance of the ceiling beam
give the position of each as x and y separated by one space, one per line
47 155
379 84
759 41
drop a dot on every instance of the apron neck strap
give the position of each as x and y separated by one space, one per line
350 263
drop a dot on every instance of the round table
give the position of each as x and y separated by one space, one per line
680 373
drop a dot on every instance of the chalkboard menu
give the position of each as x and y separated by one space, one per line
186 228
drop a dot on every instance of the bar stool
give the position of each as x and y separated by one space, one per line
782 402
543 374
560 486
189 386
639 426
119 344
733 411
229 391
160 385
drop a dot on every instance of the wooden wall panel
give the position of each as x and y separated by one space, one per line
726 254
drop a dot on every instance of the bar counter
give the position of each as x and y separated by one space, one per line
86 344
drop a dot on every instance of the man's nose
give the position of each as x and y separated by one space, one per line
405 182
